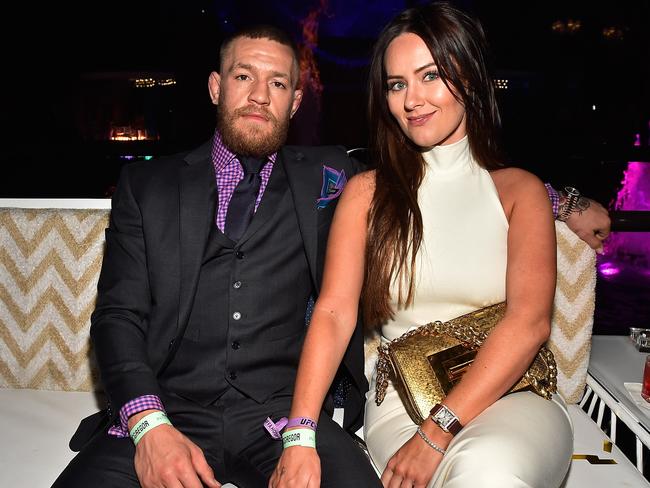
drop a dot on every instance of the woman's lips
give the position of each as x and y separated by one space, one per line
420 119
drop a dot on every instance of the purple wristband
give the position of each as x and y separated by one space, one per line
274 428
302 422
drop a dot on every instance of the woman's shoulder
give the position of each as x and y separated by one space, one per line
363 182
517 182
359 190
519 188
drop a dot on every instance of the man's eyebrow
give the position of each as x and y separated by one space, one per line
280 74
250 67
246 66
421 68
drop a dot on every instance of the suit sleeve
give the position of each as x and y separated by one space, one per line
119 323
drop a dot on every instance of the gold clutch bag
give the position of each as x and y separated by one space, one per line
428 361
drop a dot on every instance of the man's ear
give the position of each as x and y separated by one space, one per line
214 87
297 98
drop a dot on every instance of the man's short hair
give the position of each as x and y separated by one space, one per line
263 31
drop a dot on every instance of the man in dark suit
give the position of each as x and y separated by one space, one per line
211 260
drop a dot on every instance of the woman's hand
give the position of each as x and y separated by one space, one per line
414 464
298 467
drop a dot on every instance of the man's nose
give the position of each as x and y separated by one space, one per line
259 93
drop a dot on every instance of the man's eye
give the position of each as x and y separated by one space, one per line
241 77
278 84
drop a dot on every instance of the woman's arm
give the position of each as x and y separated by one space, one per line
512 345
530 288
332 324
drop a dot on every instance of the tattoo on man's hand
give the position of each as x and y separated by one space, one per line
582 205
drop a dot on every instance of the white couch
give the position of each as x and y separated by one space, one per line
50 259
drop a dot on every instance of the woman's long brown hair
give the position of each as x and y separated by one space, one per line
457 44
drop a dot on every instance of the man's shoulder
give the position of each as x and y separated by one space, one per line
316 152
164 166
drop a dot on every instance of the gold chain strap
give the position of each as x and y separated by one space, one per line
384 363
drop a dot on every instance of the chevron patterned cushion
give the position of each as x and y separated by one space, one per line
573 315
49 266
573 312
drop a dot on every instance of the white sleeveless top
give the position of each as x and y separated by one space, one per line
461 265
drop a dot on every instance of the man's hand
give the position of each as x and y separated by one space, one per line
590 222
298 467
165 457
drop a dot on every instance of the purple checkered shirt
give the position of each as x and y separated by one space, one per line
140 404
228 172
555 199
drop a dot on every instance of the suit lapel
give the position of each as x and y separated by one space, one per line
198 197
304 179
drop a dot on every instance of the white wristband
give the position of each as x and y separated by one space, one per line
299 437
147 423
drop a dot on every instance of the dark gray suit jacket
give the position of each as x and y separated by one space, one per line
161 214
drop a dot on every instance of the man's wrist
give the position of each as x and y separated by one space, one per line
135 418
571 202
147 423
137 405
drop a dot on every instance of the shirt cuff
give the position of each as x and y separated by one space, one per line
555 199
137 405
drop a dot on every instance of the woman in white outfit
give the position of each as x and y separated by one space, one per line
439 229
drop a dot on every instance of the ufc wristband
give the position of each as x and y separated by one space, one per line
299 437
147 423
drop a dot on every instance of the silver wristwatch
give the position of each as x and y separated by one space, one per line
446 419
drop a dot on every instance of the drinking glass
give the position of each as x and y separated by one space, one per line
645 391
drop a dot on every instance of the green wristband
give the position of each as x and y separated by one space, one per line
147 423
299 437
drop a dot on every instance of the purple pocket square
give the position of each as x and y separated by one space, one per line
333 183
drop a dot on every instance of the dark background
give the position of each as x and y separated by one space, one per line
68 72
577 99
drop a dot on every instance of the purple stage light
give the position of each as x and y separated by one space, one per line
629 250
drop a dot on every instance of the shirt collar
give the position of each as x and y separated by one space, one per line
222 156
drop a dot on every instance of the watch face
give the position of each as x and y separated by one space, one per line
444 418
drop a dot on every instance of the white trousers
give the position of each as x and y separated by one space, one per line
522 440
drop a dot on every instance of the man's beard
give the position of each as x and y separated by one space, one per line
251 141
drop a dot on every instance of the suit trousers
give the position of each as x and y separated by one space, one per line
233 439
520 441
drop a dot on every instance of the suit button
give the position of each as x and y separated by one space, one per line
236 316
171 343
239 255
235 345
236 285
232 375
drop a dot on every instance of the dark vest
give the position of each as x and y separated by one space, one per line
247 323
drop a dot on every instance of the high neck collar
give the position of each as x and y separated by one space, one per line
449 158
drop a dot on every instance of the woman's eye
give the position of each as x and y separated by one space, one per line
397 86
431 76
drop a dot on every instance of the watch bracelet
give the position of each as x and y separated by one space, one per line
572 196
